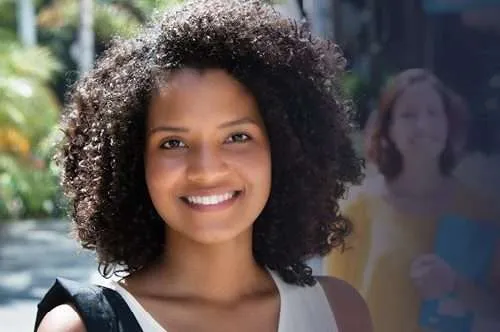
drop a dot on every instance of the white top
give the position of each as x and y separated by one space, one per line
302 309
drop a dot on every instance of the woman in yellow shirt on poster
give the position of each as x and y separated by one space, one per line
415 143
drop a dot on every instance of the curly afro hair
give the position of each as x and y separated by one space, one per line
294 78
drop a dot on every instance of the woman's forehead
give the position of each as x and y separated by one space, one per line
420 93
193 94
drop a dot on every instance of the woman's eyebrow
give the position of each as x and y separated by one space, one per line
168 129
175 129
243 120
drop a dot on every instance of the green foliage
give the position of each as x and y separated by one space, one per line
109 19
28 191
27 102
29 111
7 7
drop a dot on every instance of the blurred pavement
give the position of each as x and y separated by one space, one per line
32 254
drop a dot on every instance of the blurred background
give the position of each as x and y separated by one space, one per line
46 44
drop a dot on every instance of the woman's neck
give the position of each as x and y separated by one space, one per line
221 273
418 180
421 190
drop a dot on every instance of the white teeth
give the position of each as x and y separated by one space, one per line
210 200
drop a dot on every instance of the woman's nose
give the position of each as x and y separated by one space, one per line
206 166
422 122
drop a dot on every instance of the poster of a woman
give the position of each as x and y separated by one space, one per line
425 252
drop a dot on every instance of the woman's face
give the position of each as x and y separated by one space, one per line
419 127
207 156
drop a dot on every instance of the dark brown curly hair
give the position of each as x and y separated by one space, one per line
294 78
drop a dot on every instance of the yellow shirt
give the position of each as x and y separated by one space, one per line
379 253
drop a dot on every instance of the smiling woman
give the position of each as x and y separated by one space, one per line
205 159
207 151
424 240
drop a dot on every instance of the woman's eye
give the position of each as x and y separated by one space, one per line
238 138
173 144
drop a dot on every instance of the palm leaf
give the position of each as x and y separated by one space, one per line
27 104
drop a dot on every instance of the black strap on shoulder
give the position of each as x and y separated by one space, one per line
101 308
126 319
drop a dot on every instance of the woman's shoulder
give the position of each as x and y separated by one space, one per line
63 318
72 306
350 309
473 203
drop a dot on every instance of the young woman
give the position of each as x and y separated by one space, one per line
416 139
205 158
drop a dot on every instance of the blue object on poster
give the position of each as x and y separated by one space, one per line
456 6
468 246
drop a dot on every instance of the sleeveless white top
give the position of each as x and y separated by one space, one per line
302 309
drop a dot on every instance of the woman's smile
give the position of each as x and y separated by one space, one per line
212 201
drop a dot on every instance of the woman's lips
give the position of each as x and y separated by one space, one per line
212 202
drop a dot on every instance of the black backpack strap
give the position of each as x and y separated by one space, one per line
126 319
101 308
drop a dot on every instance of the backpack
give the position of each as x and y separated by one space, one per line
101 308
